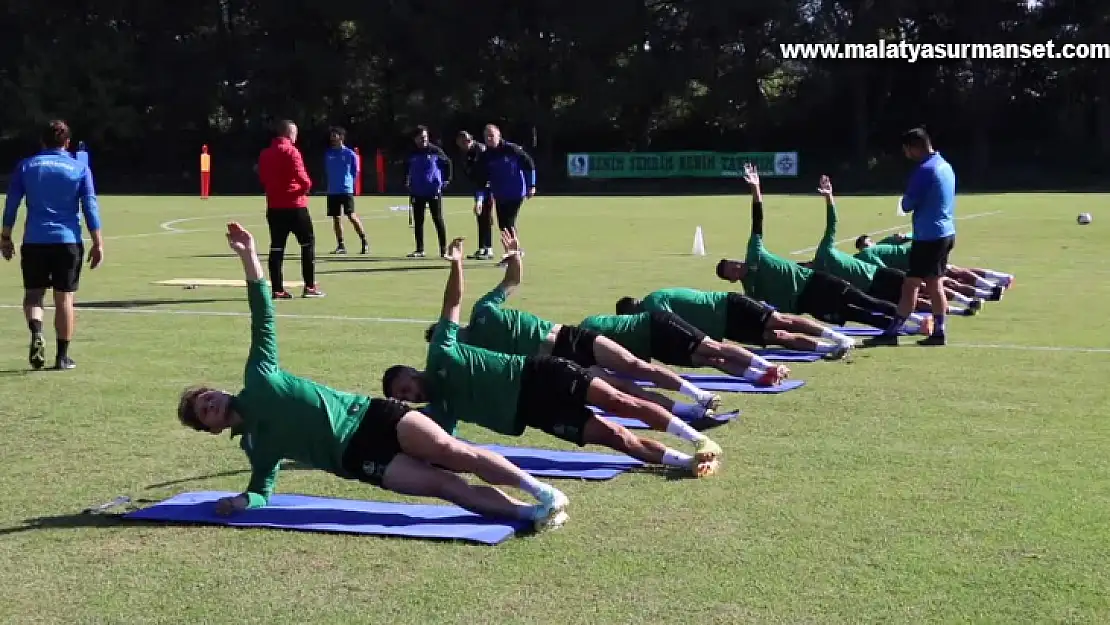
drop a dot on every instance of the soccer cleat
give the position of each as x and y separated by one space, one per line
839 353
312 291
933 340
975 306
365 248
997 293
881 340
706 451
710 402
704 469
342 249
552 509
282 295
36 354
64 364
487 254
416 254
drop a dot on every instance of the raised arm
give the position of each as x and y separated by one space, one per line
264 350
514 265
824 187
755 241
91 209
448 167
527 165
453 292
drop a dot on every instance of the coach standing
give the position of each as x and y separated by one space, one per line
281 169
931 199
510 174
472 154
58 189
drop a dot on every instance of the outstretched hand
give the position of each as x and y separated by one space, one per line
239 240
509 241
824 186
751 175
455 249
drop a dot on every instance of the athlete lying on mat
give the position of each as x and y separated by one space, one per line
509 331
894 251
791 288
509 393
737 317
884 283
379 441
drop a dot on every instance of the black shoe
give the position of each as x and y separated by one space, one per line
997 292
341 249
36 354
365 248
882 340
933 340
64 364
974 307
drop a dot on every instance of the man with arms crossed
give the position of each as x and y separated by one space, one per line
281 170
794 289
483 207
382 442
931 199
58 190
342 167
510 331
509 393
736 317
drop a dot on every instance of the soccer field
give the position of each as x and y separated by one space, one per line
969 483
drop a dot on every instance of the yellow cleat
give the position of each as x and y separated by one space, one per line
705 469
707 451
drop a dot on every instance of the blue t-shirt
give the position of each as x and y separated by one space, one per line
58 190
341 167
931 199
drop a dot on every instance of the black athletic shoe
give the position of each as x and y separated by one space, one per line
881 340
341 249
64 364
997 292
974 307
36 354
933 340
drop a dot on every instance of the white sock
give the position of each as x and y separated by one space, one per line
759 362
833 335
681 429
533 486
689 390
752 374
998 276
959 298
827 348
688 412
672 458
983 283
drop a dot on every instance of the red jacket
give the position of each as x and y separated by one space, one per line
284 179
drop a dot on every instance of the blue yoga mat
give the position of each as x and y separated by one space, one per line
345 516
865 331
728 384
636 424
583 465
775 354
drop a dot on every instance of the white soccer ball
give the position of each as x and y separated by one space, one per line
1084 219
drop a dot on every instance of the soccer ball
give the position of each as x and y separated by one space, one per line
1084 219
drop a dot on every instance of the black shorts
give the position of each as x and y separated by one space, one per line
51 266
286 221
673 340
374 444
929 259
822 296
341 204
576 345
553 397
507 212
887 285
746 320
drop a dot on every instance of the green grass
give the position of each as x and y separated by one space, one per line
965 484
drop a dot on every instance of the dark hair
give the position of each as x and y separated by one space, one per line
721 268
55 134
186 407
627 305
429 331
464 135
282 127
419 130
338 131
916 138
860 240
390 376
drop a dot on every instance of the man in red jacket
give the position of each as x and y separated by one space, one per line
281 169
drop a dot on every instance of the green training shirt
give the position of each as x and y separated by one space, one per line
503 329
857 272
887 255
632 332
471 384
773 279
705 310
286 416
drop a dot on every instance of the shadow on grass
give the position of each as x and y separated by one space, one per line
144 303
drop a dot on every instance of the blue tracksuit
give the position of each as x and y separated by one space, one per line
429 171
508 170
58 190
341 167
931 198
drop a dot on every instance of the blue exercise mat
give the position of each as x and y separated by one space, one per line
344 516
729 384
865 331
636 424
583 465
775 354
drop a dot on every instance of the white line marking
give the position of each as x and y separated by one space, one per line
406 320
885 230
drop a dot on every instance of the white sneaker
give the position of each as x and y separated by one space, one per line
552 511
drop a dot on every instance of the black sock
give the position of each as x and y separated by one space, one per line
276 279
63 349
35 326
339 241
308 264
